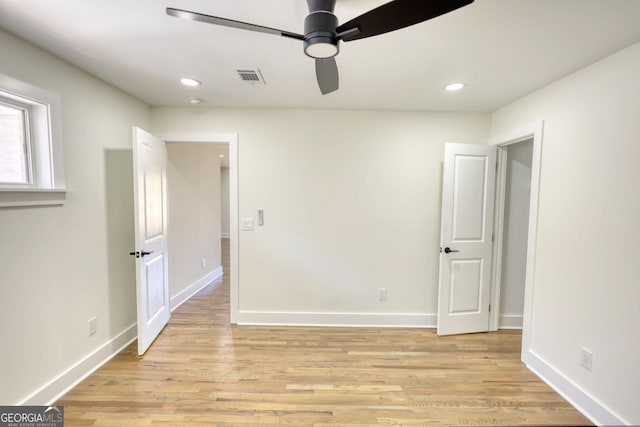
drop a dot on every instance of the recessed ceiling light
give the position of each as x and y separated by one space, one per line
222 156
188 81
454 87
195 101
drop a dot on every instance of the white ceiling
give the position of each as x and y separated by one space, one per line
503 49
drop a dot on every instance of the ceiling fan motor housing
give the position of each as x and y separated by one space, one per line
320 39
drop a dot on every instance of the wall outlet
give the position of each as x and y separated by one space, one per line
203 263
93 325
586 358
382 294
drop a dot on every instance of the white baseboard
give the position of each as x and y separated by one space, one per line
58 387
510 321
338 319
185 294
225 236
591 408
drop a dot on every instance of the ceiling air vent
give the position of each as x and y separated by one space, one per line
251 76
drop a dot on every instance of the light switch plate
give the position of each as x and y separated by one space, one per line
246 224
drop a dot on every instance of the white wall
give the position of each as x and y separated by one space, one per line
586 290
60 266
351 202
224 201
193 189
516 222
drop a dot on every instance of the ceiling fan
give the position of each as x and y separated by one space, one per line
322 32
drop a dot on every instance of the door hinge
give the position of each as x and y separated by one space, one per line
489 308
493 238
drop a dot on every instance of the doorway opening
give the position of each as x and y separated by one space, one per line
526 242
515 225
229 147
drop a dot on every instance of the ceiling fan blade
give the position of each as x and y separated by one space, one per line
395 15
327 75
200 17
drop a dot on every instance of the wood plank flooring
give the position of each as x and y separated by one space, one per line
202 372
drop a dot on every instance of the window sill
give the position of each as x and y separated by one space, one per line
31 197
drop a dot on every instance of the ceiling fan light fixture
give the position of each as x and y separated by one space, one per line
455 87
188 81
321 47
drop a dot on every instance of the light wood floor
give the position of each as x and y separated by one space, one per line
201 371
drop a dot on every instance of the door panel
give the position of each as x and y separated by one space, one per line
466 238
153 191
155 301
150 201
469 198
466 286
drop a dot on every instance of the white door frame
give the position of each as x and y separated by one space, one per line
533 131
231 139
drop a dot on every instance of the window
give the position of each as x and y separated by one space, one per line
31 161
15 154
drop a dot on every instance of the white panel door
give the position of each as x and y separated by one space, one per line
150 204
468 191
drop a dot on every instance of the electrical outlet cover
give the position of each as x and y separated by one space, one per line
93 326
586 359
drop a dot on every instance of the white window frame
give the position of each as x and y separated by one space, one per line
47 186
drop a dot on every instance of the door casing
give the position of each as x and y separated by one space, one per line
533 131
231 139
